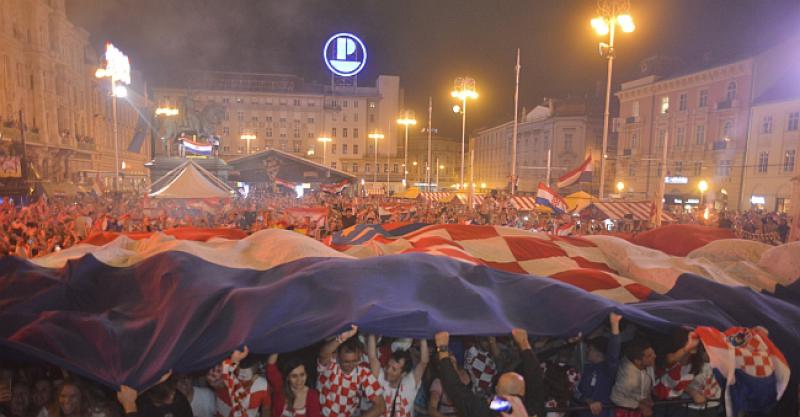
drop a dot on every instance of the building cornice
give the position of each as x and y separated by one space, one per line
700 78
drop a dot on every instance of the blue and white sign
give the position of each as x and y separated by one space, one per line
345 54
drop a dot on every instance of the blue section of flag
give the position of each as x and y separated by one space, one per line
140 133
362 233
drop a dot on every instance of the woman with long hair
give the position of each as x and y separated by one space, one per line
291 396
70 401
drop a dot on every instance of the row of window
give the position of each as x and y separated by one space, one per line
792 123
683 100
680 136
789 157
368 167
344 132
344 149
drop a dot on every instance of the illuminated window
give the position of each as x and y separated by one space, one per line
664 104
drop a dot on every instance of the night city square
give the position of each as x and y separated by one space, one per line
376 208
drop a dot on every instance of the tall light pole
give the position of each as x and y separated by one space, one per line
430 132
118 71
324 140
464 88
438 167
406 121
514 133
611 13
375 136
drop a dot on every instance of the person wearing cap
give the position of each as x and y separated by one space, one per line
529 386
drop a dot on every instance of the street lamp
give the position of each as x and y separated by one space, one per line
376 136
118 71
248 137
464 88
703 187
611 13
324 140
620 187
407 120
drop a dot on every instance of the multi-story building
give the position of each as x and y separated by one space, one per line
445 154
569 130
284 112
702 116
47 70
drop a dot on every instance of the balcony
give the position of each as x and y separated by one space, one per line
631 119
720 145
727 104
626 152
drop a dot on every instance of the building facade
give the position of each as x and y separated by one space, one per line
284 112
48 88
703 117
568 130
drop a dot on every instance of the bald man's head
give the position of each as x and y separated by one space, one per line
510 383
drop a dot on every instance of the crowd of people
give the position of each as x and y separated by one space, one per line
51 224
617 370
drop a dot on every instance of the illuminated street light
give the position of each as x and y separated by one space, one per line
324 140
248 137
407 120
703 187
620 187
464 88
612 13
376 136
118 71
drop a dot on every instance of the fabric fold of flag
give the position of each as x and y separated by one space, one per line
580 174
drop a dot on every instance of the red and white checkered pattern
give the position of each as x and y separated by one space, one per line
574 261
340 393
236 400
481 367
524 203
753 358
672 382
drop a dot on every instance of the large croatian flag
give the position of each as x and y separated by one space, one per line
580 174
549 198
129 310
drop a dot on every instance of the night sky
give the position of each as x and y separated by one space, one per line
430 42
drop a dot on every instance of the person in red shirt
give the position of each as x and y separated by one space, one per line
244 394
292 397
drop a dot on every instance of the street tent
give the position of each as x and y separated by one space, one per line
617 210
523 203
190 180
476 199
579 201
410 193
439 197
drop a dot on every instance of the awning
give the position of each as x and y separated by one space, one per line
410 193
476 199
640 210
524 203
579 201
437 196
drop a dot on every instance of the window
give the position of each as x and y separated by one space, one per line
662 136
283 122
727 129
703 101
372 118
730 93
283 144
680 136
698 168
766 124
296 133
333 149
367 168
724 168
333 164
634 140
632 169
240 116
395 168
355 168
568 135
763 162
269 132
226 130
788 161
700 135
355 103
296 102
683 101
660 169
296 146
355 116
794 121
269 119
385 168
310 120
226 149
333 132
372 104
310 135
344 149
355 149
355 132
635 109
678 167
344 117
344 132
344 103
664 105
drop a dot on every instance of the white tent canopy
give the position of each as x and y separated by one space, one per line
190 180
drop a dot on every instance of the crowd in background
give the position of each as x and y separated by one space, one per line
617 370
52 224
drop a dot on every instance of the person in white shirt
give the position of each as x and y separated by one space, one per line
202 399
400 382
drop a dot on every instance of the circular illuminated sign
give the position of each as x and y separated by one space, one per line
345 54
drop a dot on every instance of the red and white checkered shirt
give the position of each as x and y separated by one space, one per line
481 368
340 393
234 400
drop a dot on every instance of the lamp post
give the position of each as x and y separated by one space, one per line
324 140
703 187
118 71
248 137
611 13
375 136
464 88
407 120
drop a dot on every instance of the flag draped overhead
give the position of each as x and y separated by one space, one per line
130 310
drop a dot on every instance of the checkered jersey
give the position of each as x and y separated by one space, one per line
671 382
236 400
339 393
481 368
574 261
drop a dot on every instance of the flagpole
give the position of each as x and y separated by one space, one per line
428 161
661 183
514 133
549 153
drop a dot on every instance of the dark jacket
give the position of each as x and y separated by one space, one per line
470 404
598 379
